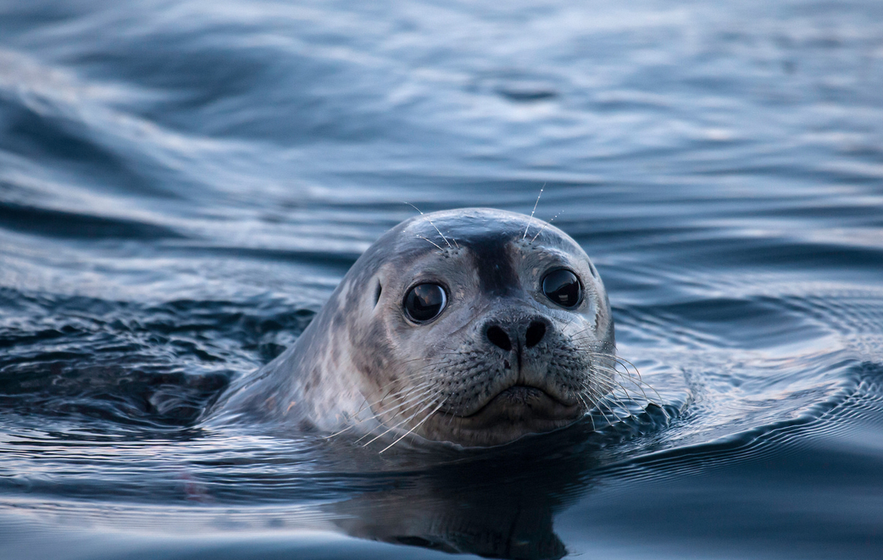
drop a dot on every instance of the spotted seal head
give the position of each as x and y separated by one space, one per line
472 326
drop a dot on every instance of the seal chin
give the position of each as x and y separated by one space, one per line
513 413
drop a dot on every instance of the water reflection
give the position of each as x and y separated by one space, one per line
497 503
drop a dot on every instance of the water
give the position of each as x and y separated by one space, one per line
182 184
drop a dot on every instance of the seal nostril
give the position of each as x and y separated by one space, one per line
499 338
535 333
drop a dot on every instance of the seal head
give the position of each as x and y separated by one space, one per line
473 326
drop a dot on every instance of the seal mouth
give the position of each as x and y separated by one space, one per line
524 402
516 411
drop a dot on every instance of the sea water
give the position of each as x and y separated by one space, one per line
183 184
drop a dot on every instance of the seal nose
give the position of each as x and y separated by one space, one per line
533 335
499 338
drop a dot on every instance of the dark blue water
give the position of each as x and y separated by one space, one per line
182 185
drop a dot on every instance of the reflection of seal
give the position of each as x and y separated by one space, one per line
472 326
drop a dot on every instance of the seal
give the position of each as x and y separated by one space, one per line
473 326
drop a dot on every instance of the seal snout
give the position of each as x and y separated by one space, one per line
527 334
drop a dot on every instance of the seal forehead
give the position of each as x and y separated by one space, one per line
491 237
473 222
496 273
484 235
479 226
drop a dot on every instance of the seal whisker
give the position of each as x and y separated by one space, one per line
406 395
588 398
415 396
456 406
597 406
405 421
626 391
412 394
612 396
637 380
628 366
588 410
425 418
582 399
437 246
402 409
582 331
404 399
408 392
534 238
639 383
389 393
610 410
430 223
634 378
530 221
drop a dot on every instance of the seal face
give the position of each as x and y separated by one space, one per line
471 326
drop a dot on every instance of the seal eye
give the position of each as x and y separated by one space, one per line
425 301
562 287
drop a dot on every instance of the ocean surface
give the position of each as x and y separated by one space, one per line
183 184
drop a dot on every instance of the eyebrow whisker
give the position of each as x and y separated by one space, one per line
530 221
430 223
